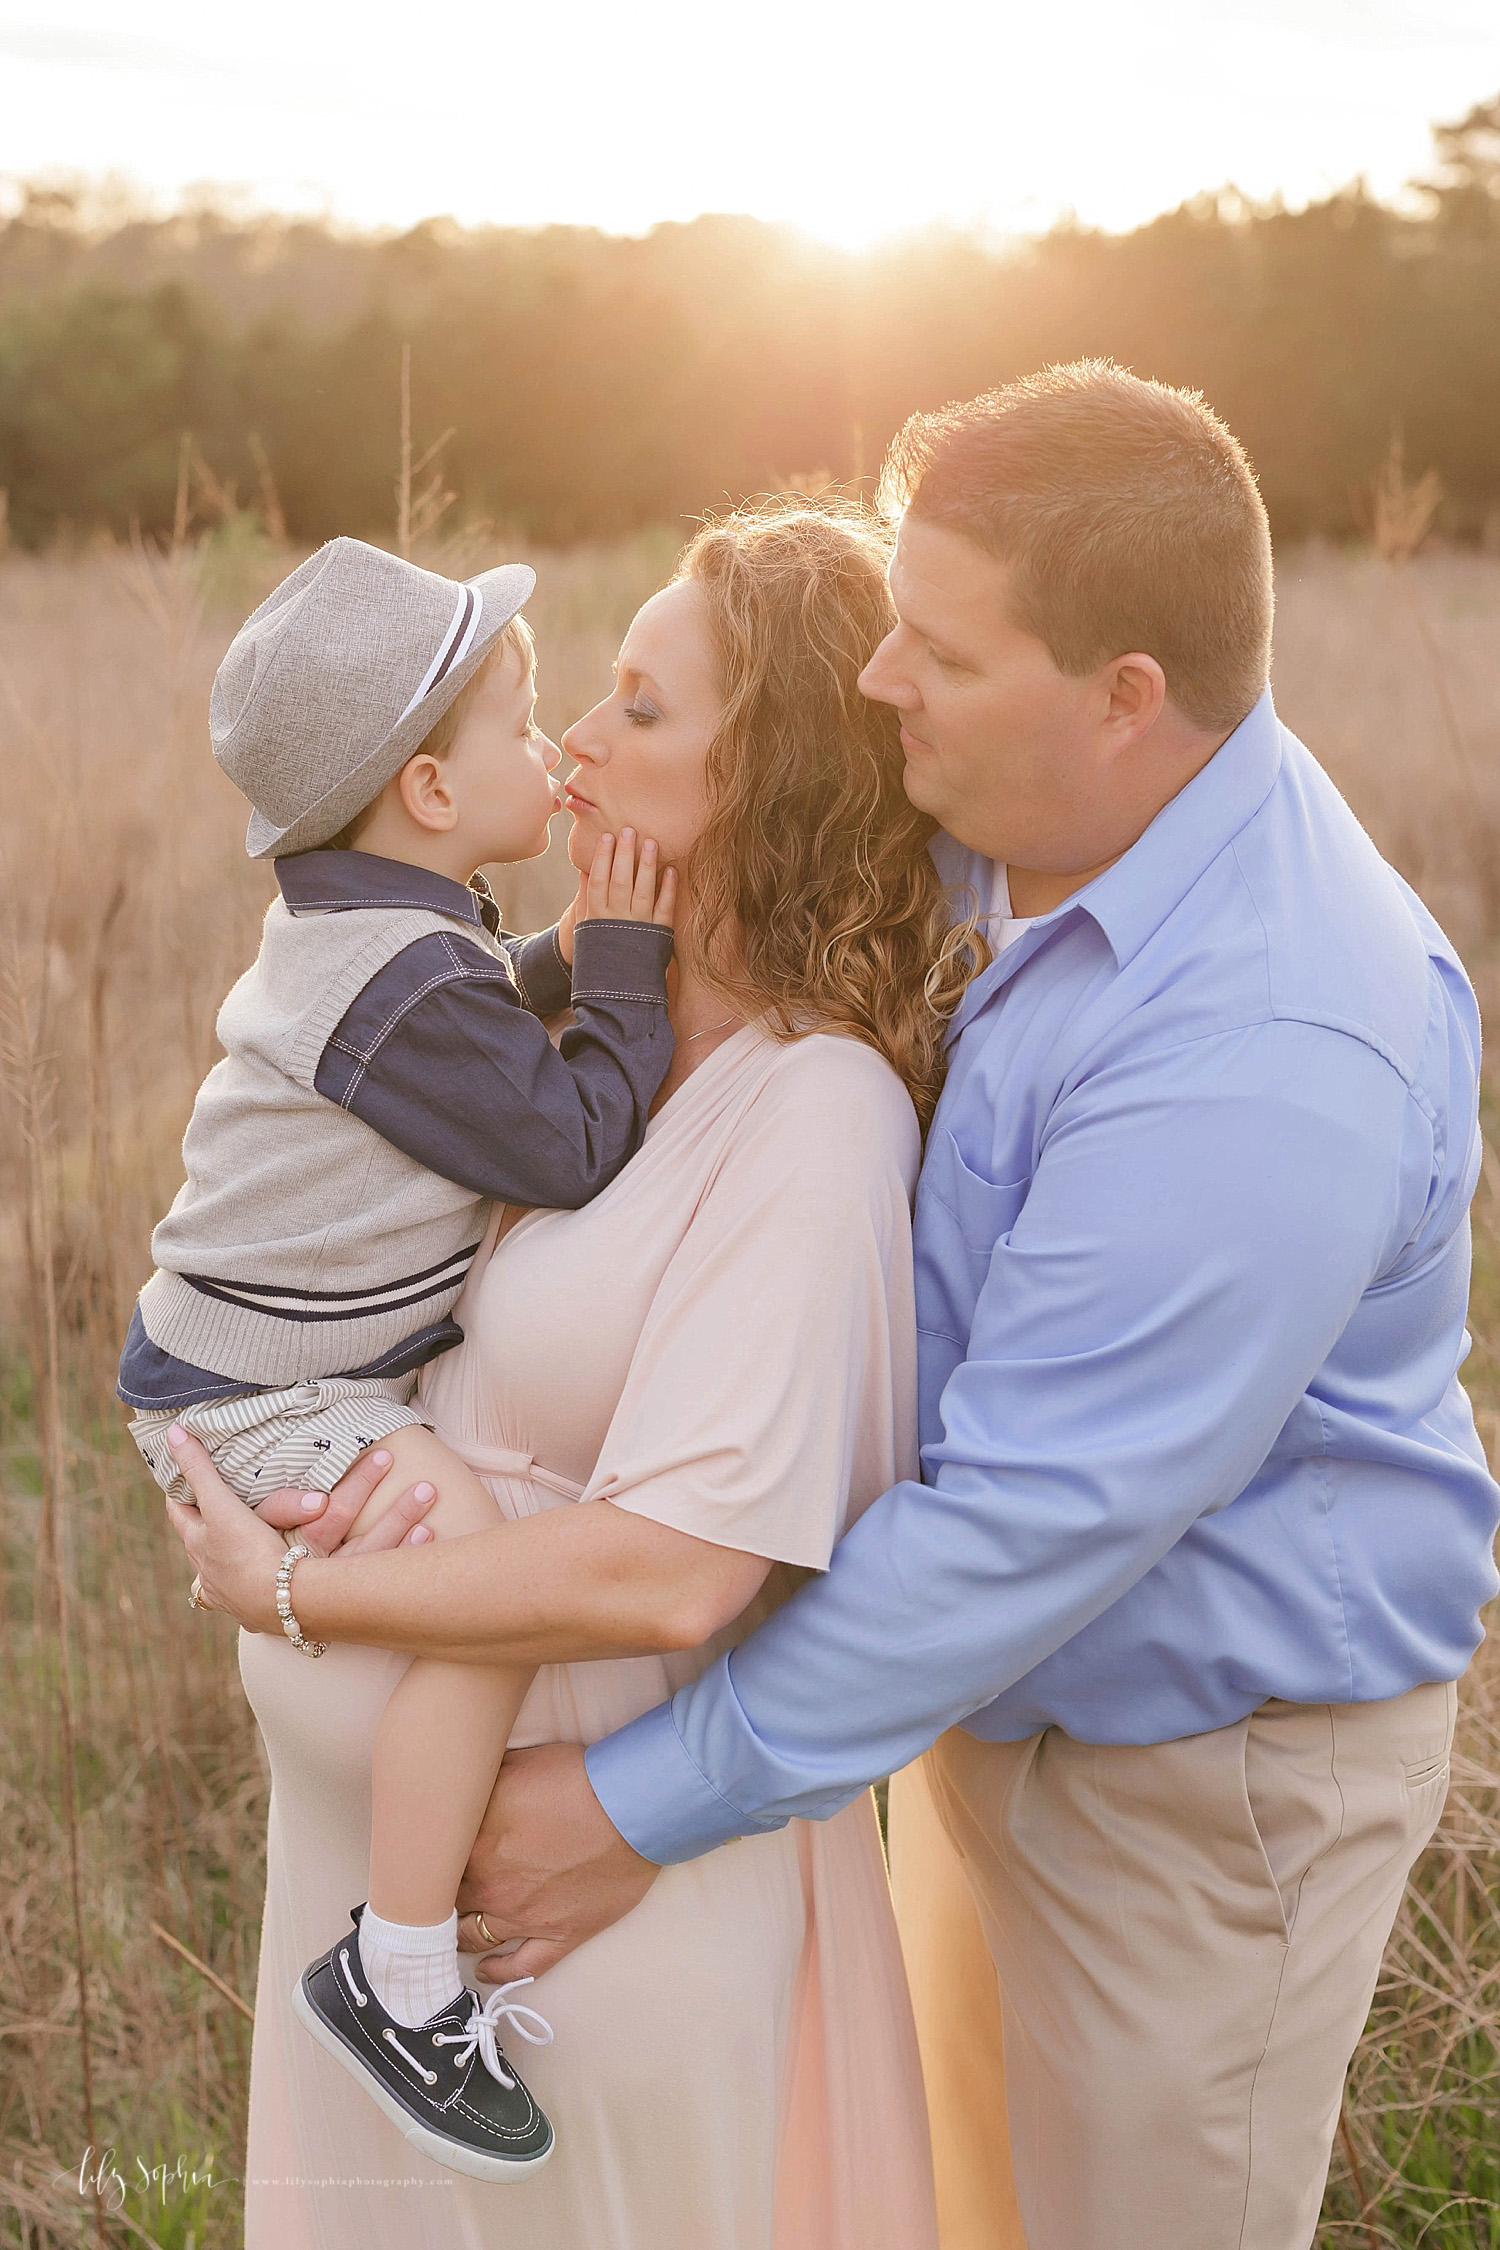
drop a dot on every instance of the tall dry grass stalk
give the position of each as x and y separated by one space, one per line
133 908
1402 508
420 508
1403 511
31 1091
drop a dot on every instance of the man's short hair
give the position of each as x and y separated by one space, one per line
1128 513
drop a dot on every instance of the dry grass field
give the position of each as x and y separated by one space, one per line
131 1796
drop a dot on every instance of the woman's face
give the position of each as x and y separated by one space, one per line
642 751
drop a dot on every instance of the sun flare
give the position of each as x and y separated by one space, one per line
1001 119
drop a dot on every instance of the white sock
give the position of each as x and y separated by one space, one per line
413 1969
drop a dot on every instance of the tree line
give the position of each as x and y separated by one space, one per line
593 383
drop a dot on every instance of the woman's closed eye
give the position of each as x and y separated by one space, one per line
641 713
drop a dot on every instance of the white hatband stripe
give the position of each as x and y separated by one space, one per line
466 638
457 642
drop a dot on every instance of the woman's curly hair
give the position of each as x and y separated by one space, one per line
815 901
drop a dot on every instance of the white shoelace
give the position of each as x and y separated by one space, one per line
479 2033
361 1999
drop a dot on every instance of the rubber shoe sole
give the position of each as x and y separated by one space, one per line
454 2158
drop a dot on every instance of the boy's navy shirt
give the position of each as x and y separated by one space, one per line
439 1054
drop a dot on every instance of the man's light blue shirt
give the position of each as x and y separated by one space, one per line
1192 1268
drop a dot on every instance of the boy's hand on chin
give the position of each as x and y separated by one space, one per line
621 888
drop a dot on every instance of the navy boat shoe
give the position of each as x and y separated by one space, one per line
446 2085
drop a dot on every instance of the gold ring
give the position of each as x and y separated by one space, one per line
195 1593
486 1932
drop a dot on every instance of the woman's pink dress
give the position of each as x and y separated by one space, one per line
723 1341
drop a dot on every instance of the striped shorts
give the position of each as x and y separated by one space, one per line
305 1437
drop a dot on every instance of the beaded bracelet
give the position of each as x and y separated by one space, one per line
289 1625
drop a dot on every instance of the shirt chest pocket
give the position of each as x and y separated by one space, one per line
985 1210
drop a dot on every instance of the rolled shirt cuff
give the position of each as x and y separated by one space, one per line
621 961
664 1806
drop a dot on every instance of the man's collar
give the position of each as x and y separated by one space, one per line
1134 897
332 882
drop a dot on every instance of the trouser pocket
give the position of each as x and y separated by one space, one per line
1294 1800
1428 1754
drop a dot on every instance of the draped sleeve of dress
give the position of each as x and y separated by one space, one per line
724 1341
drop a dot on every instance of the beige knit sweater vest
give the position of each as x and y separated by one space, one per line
301 1243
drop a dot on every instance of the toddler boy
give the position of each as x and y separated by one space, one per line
386 1077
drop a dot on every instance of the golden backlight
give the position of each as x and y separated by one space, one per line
851 121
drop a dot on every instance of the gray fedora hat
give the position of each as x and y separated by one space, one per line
333 683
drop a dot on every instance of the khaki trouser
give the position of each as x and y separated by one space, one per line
1187 1936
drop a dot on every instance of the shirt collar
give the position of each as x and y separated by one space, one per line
1132 899
1134 896
332 882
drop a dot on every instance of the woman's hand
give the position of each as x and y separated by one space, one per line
236 1553
322 1520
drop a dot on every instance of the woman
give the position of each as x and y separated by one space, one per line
679 1395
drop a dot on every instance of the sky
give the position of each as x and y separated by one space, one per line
852 122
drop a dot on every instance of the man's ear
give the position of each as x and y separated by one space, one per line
1136 687
424 790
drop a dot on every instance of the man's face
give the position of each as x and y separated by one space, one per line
1002 748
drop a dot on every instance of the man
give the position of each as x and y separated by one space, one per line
1205 1526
